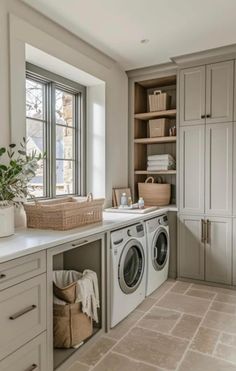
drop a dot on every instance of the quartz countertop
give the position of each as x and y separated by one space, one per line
27 241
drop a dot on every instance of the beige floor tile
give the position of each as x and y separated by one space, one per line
230 299
117 362
202 362
180 287
205 340
94 354
123 327
159 319
200 294
78 367
226 352
184 303
187 326
220 321
157 294
215 289
228 339
152 347
223 307
147 304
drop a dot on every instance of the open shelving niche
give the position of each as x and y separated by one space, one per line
143 145
77 255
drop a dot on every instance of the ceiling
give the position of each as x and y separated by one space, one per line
174 27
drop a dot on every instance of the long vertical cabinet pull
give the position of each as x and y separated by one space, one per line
208 229
202 230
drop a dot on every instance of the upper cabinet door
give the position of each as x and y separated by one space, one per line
219 92
219 156
192 161
192 96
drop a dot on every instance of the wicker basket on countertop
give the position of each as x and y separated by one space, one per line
64 213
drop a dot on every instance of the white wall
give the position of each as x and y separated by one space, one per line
96 141
21 25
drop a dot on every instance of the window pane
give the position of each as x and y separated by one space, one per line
35 142
64 177
64 108
64 142
34 99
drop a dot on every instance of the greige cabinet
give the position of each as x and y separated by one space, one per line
206 169
218 250
192 95
205 248
192 162
191 247
219 172
219 92
234 251
206 94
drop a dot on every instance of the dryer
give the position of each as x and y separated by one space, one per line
128 271
158 252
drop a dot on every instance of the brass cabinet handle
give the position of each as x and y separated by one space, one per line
203 116
22 312
208 236
202 230
79 244
32 368
2 276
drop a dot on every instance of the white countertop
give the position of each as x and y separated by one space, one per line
26 241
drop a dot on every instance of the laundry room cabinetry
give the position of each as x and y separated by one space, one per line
205 248
191 247
206 159
206 94
218 249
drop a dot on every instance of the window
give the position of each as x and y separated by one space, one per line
54 124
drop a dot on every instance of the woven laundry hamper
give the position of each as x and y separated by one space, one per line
154 194
70 325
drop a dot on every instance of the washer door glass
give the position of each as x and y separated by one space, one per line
131 266
160 249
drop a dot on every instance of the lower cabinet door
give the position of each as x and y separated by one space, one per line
191 247
218 250
31 357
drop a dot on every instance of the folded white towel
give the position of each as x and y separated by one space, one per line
160 157
156 162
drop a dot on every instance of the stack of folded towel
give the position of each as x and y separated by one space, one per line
161 162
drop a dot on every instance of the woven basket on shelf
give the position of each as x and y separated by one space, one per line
64 213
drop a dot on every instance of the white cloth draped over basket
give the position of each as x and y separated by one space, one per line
87 292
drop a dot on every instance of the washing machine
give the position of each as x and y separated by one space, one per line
128 271
158 252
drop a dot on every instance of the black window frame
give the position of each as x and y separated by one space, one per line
53 82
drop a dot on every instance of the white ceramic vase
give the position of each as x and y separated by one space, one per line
7 225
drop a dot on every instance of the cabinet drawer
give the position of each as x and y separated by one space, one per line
22 313
31 356
21 269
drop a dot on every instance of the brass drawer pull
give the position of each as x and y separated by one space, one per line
79 244
22 312
208 236
203 230
32 368
2 276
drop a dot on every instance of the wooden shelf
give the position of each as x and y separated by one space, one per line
155 140
157 114
161 172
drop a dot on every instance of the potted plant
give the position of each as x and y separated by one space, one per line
17 168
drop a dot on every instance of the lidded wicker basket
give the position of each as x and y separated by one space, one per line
64 213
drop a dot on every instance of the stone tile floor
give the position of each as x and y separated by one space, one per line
181 327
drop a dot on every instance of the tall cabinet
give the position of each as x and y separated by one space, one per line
206 172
